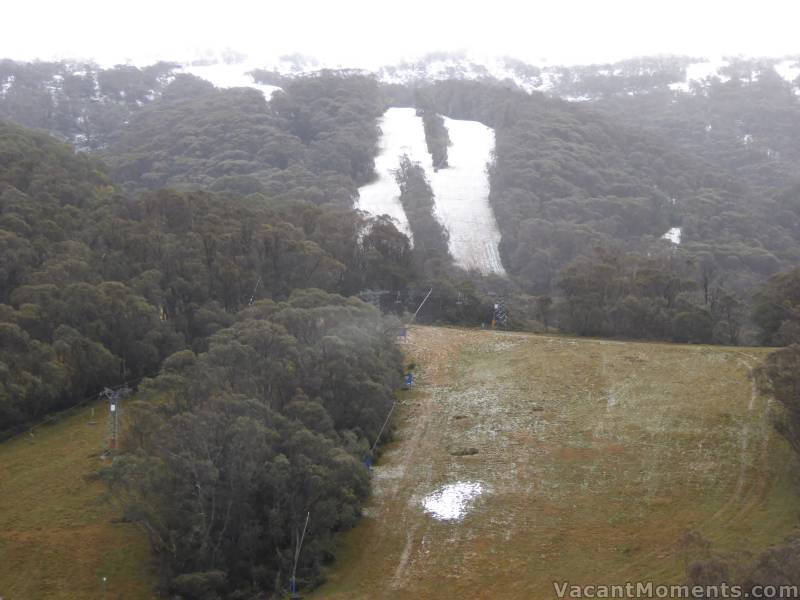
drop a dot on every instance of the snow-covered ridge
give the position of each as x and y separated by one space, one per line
461 191
558 80
573 83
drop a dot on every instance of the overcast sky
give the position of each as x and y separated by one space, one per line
367 33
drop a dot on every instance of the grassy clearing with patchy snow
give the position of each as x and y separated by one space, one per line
593 459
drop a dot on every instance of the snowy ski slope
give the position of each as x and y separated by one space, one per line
462 197
461 191
402 133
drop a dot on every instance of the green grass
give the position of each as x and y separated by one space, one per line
58 535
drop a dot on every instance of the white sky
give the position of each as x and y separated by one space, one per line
363 33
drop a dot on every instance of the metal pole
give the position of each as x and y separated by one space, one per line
293 583
414 316
255 289
380 433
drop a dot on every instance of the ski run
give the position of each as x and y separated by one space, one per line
461 191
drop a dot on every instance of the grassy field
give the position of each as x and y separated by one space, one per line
58 538
594 459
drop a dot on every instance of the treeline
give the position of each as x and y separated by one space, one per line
777 309
611 293
81 102
416 196
436 138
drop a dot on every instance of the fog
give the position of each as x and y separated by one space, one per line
360 33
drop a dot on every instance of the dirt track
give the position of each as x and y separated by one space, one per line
594 458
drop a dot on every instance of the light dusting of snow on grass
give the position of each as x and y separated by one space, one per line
673 235
224 75
403 133
452 501
461 194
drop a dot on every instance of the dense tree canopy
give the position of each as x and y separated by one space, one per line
567 180
132 279
318 133
229 450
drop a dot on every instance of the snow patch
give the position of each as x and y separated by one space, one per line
701 71
789 70
224 75
673 235
6 85
697 73
452 501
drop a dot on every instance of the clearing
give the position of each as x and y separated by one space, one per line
523 459
58 535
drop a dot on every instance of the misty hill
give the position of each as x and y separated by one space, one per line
577 188
204 250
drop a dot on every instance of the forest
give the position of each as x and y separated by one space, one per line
200 245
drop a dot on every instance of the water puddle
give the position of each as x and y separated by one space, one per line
452 501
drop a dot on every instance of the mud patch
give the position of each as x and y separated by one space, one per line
464 452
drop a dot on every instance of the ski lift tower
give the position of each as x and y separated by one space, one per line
114 397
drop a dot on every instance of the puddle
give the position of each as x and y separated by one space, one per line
452 501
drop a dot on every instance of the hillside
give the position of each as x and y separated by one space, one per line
700 152
58 535
593 460
590 462
222 250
